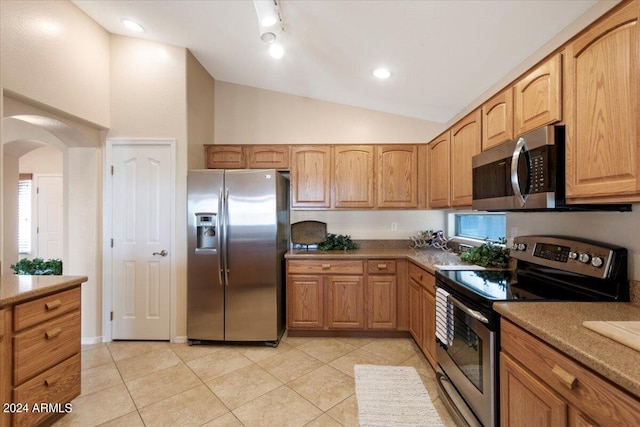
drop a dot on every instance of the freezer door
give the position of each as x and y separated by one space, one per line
205 290
252 258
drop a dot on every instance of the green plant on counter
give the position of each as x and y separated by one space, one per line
489 254
337 242
38 267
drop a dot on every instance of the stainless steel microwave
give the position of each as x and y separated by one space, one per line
527 173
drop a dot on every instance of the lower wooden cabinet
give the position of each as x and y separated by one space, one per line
540 384
422 310
354 295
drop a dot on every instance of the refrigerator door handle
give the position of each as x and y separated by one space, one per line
220 254
226 237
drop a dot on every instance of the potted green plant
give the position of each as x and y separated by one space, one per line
489 254
38 267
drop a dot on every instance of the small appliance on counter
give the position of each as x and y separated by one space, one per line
467 328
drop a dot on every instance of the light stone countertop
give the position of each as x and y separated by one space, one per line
17 288
430 259
560 325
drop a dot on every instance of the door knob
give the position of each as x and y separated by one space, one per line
161 253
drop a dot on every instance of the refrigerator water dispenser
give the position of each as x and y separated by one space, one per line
207 240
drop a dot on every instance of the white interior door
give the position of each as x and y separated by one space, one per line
141 262
49 216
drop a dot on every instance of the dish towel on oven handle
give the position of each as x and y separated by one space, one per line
444 317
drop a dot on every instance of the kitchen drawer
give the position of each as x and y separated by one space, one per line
58 385
39 310
423 277
45 345
381 266
581 387
329 266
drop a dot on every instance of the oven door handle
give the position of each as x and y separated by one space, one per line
473 313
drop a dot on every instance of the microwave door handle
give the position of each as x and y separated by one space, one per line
515 183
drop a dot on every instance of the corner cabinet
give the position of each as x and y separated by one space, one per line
397 176
602 111
311 176
466 142
439 171
541 384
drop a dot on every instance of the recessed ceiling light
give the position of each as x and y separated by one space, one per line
133 26
276 50
382 73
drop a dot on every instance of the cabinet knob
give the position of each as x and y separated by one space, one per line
51 380
382 266
565 377
52 333
326 266
52 305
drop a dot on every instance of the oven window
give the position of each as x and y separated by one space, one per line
466 350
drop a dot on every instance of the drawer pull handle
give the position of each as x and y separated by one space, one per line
52 305
326 266
382 266
52 333
51 380
565 377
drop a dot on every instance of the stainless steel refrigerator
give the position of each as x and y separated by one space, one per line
238 233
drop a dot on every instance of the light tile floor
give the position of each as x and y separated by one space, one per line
302 382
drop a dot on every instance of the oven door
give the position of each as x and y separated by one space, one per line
468 362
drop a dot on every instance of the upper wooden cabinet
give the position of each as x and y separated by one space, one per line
537 96
602 110
225 156
497 119
268 157
311 176
439 166
247 156
353 173
397 176
466 142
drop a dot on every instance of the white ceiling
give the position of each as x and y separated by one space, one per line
442 54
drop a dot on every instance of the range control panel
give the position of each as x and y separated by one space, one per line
579 256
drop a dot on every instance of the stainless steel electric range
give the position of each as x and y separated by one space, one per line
467 328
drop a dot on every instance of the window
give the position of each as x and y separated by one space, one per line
24 213
481 226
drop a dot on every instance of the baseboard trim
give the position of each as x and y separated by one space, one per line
179 340
90 340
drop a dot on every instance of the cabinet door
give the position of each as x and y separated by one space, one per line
311 176
439 155
415 310
429 326
346 302
602 111
524 397
397 176
497 119
353 176
466 138
225 156
268 157
537 96
381 302
5 365
305 298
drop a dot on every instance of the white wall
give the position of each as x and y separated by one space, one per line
43 160
618 228
148 100
54 54
10 212
200 111
247 115
375 225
